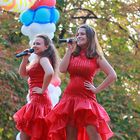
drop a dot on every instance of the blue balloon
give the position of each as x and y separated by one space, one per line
42 15
55 15
26 17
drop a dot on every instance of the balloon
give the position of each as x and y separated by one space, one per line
26 17
18 136
39 3
25 30
50 35
28 98
48 27
35 28
42 15
54 15
54 93
16 5
5 3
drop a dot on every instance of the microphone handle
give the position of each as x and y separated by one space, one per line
21 54
24 53
68 40
63 40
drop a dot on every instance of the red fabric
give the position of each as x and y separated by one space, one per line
30 118
78 106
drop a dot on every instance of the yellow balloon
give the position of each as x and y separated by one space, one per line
16 5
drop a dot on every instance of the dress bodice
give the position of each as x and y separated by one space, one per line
36 75
81 69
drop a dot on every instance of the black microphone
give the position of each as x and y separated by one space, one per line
68 40
24 53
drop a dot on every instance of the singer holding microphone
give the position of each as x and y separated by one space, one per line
30 118
78 115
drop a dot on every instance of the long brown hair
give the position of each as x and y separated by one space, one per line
50 52
93 49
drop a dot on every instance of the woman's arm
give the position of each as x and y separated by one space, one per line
65 62
22 68
49 72
66 59
109 71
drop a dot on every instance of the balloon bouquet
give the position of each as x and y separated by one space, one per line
37 17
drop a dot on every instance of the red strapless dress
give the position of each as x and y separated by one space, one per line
30 118
78 107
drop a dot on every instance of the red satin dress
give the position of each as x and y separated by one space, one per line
78 107
30 118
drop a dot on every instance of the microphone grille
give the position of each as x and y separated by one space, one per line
31 50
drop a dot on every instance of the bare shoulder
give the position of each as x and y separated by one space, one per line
44 60
45 63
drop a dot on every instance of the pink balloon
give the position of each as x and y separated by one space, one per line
39 3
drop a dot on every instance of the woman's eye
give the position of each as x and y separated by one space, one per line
82 33
36 43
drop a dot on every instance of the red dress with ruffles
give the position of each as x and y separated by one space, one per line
78 107
30 118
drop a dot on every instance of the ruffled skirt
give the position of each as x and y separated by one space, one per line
30 118
79 113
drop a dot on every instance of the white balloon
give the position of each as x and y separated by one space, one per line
35 28
54 93
50 35
31 36
25 30
18 136
49 27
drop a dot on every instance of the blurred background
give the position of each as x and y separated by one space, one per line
117 23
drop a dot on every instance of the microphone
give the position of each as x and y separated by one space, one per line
24 53
68 40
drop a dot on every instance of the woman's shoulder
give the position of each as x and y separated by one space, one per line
43 59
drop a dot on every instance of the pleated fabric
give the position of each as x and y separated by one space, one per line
30 117
78 106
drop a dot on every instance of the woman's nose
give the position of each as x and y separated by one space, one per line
34 45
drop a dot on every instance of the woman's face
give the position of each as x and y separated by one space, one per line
38 45
82 38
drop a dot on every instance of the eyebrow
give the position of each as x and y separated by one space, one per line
36 43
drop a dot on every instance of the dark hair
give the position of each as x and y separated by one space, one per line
50 52
91 51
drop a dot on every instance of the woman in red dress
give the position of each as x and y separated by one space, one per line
78 115
30 118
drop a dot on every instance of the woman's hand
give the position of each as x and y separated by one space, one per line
71 46
37 90
89 86
27 55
